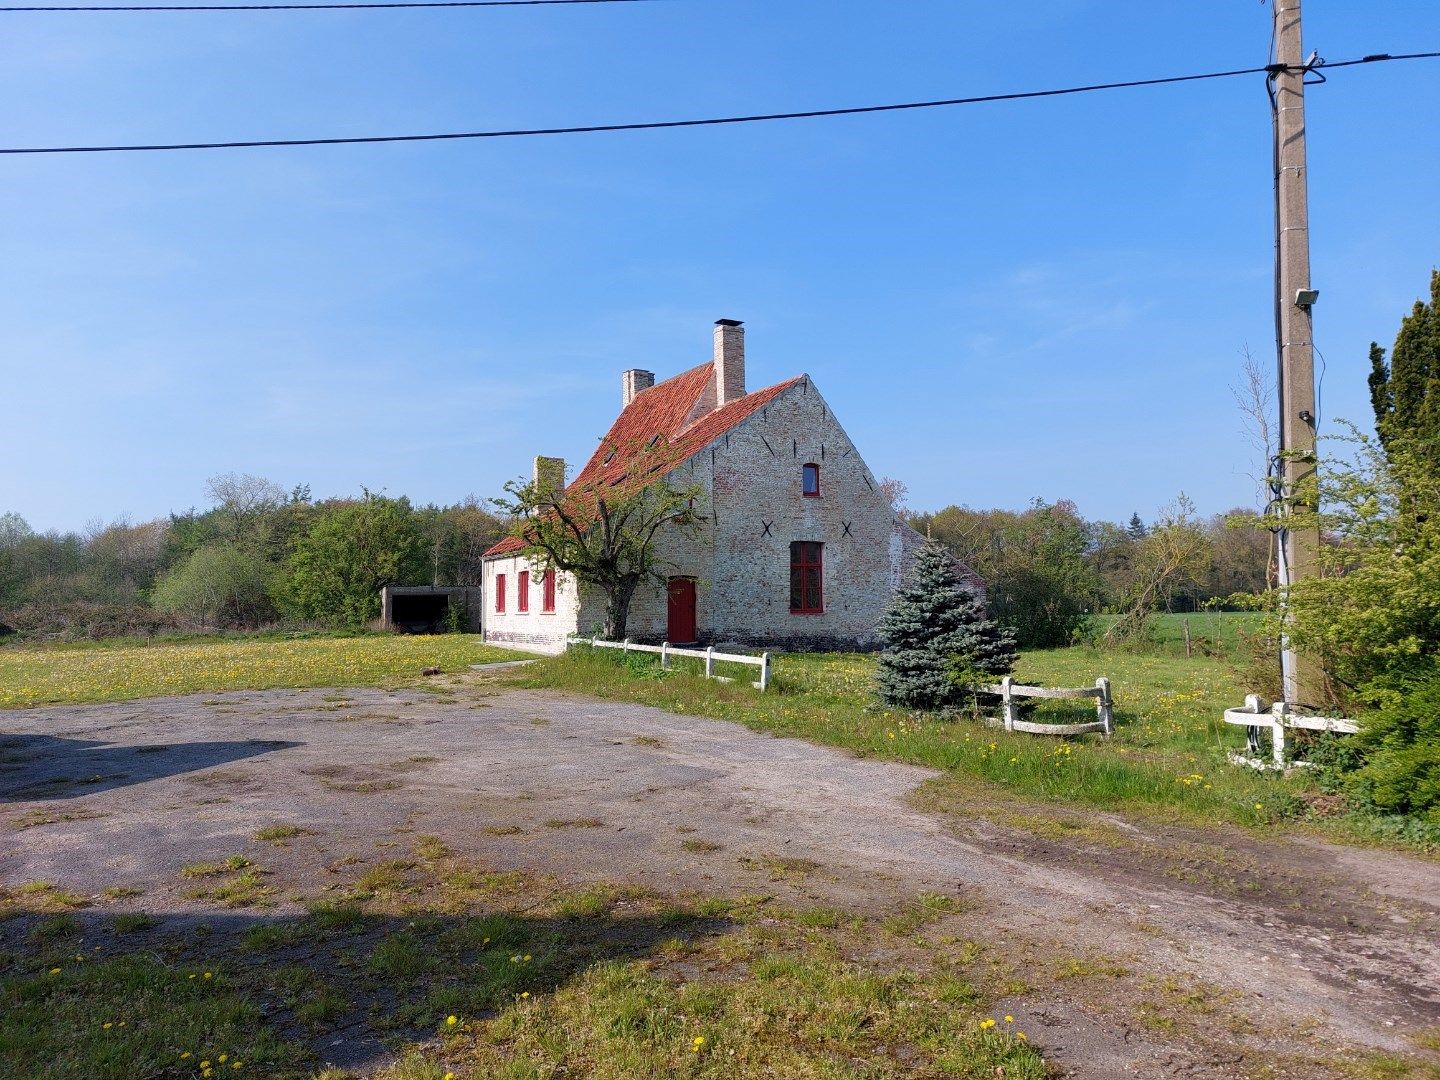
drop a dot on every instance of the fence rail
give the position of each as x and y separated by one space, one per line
1009 691
1257 718
666 650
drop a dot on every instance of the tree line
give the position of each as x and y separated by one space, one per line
259 555
1047 570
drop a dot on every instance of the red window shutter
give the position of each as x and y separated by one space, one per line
522 591
499 592
807 578
547 596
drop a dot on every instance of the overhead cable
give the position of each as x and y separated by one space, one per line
660 125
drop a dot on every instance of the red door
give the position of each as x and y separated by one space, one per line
680 611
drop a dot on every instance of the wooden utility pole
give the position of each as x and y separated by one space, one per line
1294 300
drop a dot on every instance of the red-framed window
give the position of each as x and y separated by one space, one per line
547 592
807 573
522 591
810 480
499 592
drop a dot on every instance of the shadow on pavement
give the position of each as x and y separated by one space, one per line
40 767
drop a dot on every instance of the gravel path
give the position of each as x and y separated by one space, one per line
1308 940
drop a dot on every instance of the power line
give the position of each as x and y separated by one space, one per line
320 7
660 125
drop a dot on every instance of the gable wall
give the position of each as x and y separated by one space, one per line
753 476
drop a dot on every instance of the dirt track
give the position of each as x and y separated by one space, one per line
1314 947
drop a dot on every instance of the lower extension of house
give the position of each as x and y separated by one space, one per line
796 546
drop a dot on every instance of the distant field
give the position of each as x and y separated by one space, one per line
1216 633
47 675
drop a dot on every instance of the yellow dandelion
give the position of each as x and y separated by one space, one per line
184 1054
236 1064
527 958
223 1058
1020 1035
1009 1019
209 975
204 1064
1259 806
986 1024
107 1025
524 993
54 971
451 1021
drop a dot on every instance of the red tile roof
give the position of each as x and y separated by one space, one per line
661 411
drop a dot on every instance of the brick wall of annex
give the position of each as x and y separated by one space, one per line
749 485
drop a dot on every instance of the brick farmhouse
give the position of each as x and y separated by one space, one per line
797 547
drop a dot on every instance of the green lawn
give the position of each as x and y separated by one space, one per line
59 674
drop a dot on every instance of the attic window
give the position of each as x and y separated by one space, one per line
653 440
619 479
609 457
810 480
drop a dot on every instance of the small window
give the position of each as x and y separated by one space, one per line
500 592
547 592
807 578
522 591
810 479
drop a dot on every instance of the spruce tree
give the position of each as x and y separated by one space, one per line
936 632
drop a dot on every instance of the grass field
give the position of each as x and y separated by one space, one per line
1221 634
71 674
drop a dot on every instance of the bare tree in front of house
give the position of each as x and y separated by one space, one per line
604 535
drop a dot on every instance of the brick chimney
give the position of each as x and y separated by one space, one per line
632 382
729 362
549 478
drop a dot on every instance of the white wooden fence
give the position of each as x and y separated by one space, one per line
666 650
1009 691
1275 719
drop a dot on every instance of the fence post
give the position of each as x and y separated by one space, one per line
709 661
664 656
1104 706
1007 703
764 672
1278 712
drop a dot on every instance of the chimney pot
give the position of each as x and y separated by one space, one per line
632 382
729 361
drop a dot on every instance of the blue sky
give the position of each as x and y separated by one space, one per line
1001 302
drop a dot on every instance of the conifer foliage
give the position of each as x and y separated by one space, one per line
938 638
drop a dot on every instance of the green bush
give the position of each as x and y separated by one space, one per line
350 552
220 584
1400 739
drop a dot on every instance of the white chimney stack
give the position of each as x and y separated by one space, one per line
729 361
